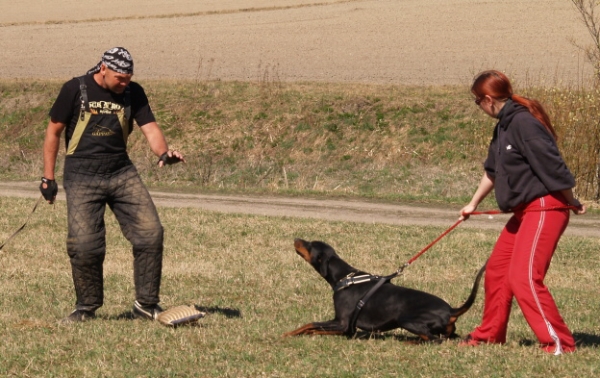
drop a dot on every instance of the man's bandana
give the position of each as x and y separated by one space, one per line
117 59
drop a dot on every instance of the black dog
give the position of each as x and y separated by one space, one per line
390 307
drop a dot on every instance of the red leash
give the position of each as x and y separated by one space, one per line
432 243
446 233
490 212
382 280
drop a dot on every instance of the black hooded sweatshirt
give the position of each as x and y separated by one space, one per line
523 159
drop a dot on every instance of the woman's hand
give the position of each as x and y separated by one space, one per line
466 211
579 210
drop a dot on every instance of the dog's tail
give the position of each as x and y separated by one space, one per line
456 312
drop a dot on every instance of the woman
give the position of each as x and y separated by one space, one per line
530 180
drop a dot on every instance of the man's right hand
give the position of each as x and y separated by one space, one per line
49 189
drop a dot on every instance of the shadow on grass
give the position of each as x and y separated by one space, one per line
586 339
403 338
226 311
582 340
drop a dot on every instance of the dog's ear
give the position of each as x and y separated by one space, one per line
323 264
320 254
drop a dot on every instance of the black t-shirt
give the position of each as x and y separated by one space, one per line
66 108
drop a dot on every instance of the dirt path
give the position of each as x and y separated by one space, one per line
327 209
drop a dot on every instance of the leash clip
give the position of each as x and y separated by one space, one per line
401 269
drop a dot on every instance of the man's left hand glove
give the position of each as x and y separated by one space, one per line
49 189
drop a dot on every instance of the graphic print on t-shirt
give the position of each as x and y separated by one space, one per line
100 131
104 107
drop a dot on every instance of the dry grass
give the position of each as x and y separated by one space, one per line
393 142
576 113
244 272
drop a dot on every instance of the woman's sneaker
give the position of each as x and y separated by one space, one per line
149 312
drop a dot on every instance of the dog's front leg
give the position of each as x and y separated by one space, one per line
332 327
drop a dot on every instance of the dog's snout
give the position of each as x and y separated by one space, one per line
301 247
299 243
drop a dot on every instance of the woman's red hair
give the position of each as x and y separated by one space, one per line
496 85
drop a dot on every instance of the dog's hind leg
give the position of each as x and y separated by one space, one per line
332 327
451 329
423 331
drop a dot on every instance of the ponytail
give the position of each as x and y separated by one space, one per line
496 85
537 110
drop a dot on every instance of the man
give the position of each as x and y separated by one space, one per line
96 111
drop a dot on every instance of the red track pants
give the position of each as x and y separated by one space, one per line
517 267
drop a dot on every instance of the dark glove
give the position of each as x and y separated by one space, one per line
168 160
51 189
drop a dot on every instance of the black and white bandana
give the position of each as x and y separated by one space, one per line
117 59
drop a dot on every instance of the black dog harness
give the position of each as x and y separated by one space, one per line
350 280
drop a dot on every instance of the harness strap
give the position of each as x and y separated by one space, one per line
83 98
127 101
351 279
125 125
361 303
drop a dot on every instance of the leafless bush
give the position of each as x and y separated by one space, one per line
582 121
588 14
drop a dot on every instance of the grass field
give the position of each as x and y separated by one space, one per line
244 272
406 143
265 118
357 141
